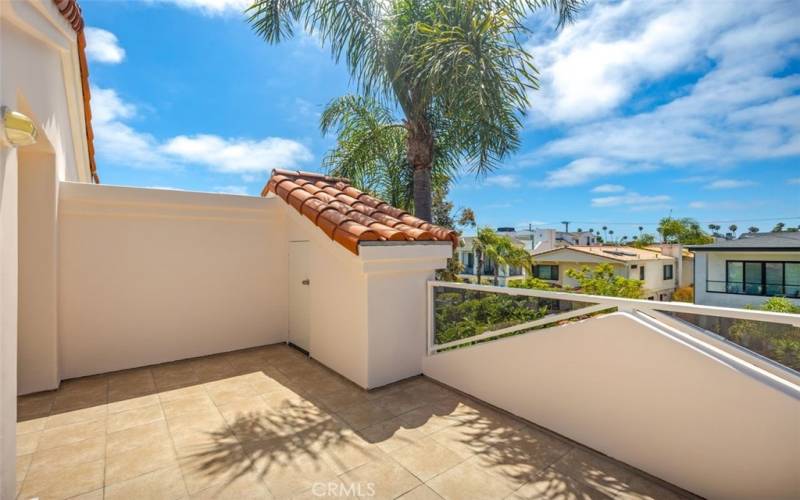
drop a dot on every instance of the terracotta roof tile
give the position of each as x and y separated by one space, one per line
72 13
347 215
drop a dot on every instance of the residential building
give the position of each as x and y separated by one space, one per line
657 270
684 269
747 271
469 259
547 239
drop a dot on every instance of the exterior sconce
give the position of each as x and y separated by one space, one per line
17 128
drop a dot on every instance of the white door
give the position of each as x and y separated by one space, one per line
299 295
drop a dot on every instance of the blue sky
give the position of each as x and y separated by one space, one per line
691 107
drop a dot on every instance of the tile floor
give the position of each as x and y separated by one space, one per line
270 423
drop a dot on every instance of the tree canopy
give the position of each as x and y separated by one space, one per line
686 231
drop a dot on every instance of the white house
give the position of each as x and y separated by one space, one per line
657 270
469 260
747 271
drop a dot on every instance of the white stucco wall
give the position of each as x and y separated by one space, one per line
368 311
711 424
147 276
711 266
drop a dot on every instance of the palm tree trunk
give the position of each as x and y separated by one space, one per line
479 270
419 151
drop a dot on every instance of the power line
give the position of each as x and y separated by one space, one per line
657 222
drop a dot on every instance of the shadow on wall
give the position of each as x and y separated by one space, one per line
288 422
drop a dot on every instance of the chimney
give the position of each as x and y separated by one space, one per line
675 250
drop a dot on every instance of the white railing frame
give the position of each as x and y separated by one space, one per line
598 303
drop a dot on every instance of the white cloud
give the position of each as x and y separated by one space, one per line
729 184
796 180
635 200
237 155
503 181
102 46
118 142
742 107
588 169
608 188
211 7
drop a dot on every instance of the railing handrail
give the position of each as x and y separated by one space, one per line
632 304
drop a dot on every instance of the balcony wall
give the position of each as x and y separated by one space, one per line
147 276
665 403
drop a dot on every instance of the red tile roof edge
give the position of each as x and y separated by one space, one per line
72 13
348 215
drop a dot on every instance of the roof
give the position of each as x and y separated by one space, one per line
619 254
347 215
72 13
772 242
685 253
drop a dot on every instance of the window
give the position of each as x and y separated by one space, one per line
470 260
667 271
546 272
763 278
641 273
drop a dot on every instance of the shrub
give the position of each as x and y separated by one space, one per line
684 294
778 342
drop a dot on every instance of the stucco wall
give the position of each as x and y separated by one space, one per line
147 276
711 266
338 300
647 397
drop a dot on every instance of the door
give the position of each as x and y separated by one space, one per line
299 295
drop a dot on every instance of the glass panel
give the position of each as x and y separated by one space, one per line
793 273
778 342
775 290
774 273
716 286
735 272
752 278
735 288
461 313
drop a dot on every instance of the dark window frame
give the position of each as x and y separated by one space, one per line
671 271
762 283
537 268
641 272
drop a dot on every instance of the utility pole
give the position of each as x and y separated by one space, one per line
566 225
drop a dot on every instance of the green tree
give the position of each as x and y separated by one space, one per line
686 231
753 229
500 250
456 70
733 228
603 281
644 240
773 340
778 227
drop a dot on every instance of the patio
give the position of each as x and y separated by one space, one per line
270 423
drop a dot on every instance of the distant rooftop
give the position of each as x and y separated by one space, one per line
618 253
758 241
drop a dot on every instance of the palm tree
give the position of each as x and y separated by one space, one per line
456 70
641 228
733 228
778 227
605 228
753 229
611 233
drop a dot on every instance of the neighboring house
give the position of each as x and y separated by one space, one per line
545 239
654 268
684 271
747 271
469 259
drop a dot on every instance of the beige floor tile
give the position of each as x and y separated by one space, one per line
32 425
92 495
402 401
421 492
191 404
64 483
345 398
132 418
427 419
282 397
88 450
22 466
468 481
73 433
520 456
76 416
182 392
288 466
391 435
247 487
462 441
130 384
35 405
216 467
174 375
231 390
426 459
202 440
136 437
365 414
76 401
385 477
138 461
163 484
28 443
342 449
133 403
